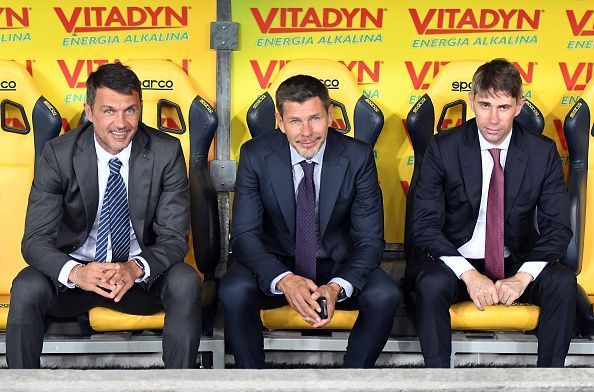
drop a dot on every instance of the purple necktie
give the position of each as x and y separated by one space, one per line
306 237
495 223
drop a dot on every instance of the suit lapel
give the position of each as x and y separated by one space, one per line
84 160
471 164
139 180
333 171
281 177
515 167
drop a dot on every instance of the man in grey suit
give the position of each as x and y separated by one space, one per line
107 225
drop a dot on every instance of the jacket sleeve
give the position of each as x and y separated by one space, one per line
429 206
367 226
247 226
552 213
44 215
171 223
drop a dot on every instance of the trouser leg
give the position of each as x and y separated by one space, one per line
436 288
242 301
377 303
33 296
554 291
180 296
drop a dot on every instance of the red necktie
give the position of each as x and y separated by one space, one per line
495 221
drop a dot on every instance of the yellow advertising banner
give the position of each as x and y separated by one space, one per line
395 49
61 43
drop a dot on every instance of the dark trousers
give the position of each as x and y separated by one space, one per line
34 296
554 290
242 301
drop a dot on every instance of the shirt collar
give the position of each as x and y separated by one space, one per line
296 158
485 145
103 156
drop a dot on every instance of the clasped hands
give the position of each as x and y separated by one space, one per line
110 280
483 291
302 295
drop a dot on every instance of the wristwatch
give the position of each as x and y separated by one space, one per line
141 266
342 294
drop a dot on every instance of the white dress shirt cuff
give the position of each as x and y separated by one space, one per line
65 272
348 288
533 268
457 264
273 288
147 270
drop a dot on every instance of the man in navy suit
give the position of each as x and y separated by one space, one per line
307 223
491 221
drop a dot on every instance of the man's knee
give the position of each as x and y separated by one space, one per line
183 283
560 282
30 288
238 287
434 282
382 293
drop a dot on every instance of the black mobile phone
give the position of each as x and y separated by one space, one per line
323 313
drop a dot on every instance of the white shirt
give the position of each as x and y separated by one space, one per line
87 251
475 248
298 175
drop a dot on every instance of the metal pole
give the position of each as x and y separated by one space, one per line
224 167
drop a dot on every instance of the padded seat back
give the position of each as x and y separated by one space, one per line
172 104
354 114
28 120
579 129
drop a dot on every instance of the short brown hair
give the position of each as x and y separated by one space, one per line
300 88
114 76
498 75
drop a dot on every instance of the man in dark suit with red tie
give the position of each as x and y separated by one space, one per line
491 221
307 223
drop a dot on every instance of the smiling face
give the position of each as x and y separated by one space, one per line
115 118
305 124
495 114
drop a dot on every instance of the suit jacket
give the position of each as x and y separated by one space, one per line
448 195
63 201
350 209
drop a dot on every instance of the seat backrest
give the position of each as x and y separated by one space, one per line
579 129
443 106
171 104
28 120
354 114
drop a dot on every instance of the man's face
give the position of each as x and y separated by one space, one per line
305 124
115 118
495 114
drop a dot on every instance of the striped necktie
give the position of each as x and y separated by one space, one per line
115 217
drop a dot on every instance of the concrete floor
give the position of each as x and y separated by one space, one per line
300 380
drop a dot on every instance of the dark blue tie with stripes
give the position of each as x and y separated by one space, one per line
115 217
